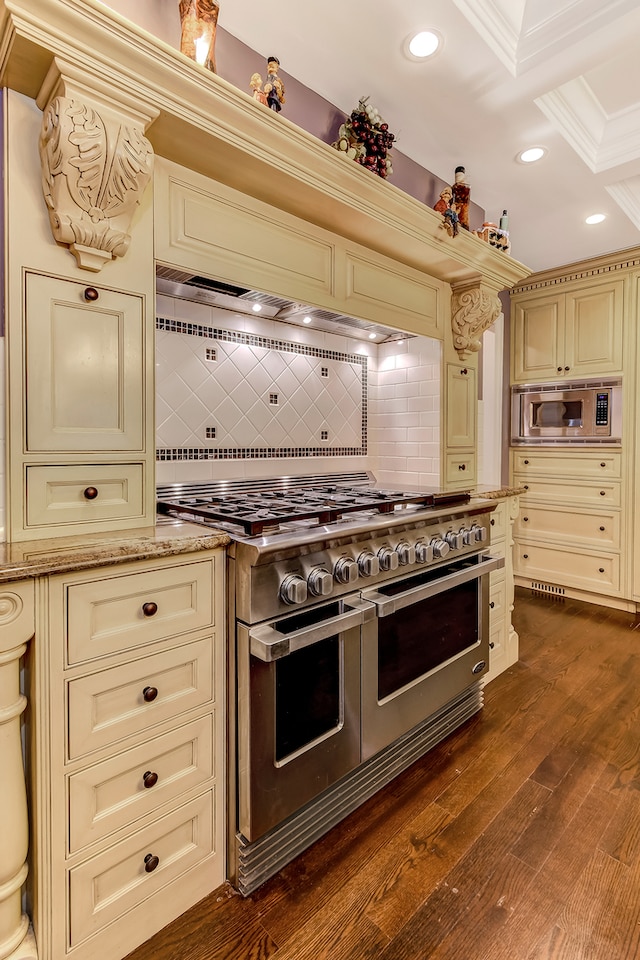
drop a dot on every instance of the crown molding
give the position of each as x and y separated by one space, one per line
621 260
208 125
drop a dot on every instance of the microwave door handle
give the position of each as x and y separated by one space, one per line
388 605
268 644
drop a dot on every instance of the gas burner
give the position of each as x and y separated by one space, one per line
312 501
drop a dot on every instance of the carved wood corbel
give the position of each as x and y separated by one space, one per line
96 163
474 308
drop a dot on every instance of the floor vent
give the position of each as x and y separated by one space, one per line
548 588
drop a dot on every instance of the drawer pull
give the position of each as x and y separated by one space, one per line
90 493
149 694
151 862
525 519
525 556
603 493
150 608
492 605
526 486
491 645
525 461
493 523
149 779
602 529
462 466
91 294
603 464
600 569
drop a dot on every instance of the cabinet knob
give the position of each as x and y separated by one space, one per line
149 694
526 519
149 779
90 493
464 371
462 466
151 862
526 486
559 369
91 294
601 529
525 461
600 569
491 605
525 556
603 493
150 608
603 464
491 644
567 368
493 523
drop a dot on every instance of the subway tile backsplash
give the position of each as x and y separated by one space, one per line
243 396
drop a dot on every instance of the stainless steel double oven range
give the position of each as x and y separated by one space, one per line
359 636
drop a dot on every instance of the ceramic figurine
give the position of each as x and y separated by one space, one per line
274 87
199 20
444 201
256 85
461 195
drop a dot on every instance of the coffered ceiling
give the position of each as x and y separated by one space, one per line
562 74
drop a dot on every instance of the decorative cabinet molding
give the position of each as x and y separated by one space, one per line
96 164
474 308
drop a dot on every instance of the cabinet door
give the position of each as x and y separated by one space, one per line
538 339
461 406
594 330
85 367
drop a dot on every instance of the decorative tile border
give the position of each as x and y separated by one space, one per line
258 453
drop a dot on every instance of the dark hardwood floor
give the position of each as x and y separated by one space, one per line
516 839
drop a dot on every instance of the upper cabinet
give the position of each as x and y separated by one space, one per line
568 335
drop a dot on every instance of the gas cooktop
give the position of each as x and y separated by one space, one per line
267 504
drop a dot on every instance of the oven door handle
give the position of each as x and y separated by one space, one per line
388 605
268 644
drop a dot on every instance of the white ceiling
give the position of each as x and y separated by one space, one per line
564 74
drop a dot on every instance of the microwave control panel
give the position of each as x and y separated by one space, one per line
602 409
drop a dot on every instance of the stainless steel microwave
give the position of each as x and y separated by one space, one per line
585 412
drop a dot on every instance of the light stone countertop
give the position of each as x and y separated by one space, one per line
171 538
489 493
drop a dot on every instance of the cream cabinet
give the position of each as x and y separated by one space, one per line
569 335
85 457
503 640
569 533
460 424
128 681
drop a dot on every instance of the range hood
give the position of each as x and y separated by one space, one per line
187 286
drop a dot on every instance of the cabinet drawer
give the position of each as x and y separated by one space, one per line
497 596
570 464
58 495
110 795
108 706
104 888
596 572
121 613
498 522
604 494
460 469
566 526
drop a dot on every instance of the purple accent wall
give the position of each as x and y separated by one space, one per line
235 62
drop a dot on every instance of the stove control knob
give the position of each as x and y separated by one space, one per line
424 552
468 536
480 533
345 570
293 589
406 553
320 582
440 548
388 558
369 564
455 540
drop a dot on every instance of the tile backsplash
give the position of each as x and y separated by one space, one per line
246 396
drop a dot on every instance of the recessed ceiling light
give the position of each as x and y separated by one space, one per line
306 319
596 218
531 155
257 307
372 336
421 45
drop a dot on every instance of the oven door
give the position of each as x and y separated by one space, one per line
298 709
431 643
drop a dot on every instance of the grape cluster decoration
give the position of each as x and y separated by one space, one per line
365 138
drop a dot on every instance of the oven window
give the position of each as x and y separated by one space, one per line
556 413
308 685
420 637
